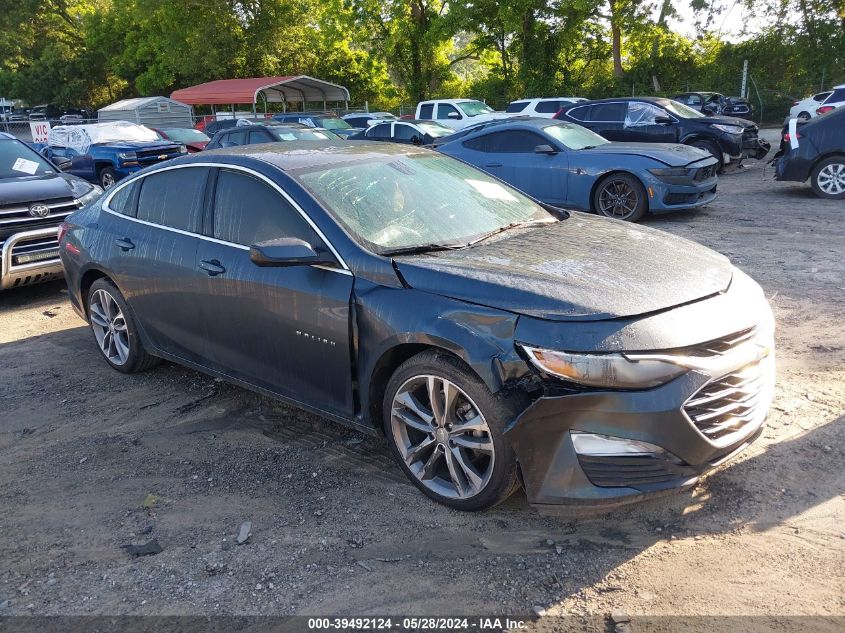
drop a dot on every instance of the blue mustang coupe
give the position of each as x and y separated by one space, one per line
566 165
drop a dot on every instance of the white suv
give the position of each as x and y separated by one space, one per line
805 109
545 107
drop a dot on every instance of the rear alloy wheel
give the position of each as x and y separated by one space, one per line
804 116
622 197
107 177
446 429
114 330
828 178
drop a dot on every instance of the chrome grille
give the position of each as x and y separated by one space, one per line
720 346
729 407
16 217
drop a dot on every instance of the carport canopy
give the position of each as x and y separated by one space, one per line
294 89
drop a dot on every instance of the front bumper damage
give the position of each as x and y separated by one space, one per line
695 422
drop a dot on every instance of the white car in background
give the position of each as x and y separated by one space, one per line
834 101
545 107
805 109
457 113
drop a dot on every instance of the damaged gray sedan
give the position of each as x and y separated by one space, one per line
495 342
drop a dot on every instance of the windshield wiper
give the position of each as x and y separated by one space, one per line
508 227
421 248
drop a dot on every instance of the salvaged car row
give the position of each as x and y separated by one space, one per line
443 295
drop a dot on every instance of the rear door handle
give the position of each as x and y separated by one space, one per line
124 243
493 165
212 267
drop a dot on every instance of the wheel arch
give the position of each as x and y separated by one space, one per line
822 157
86 281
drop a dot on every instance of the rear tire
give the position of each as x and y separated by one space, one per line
804 116
828 178
713 149
621 197
114 329
446 429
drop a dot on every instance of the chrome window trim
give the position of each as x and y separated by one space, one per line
105 206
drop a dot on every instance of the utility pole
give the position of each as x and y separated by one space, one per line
744 79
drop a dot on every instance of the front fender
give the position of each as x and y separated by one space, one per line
385 319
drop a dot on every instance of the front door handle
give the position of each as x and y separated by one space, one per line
124 243
212 267
493 165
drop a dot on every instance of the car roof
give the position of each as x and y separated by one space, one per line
8 137
659 100
294 155
449 100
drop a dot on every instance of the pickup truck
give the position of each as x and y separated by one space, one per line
103 153
457 113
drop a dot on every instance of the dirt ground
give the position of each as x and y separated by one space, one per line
91 460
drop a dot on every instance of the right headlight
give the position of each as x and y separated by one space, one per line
604 370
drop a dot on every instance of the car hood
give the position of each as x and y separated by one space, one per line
40 188
726 120
582 268
671 154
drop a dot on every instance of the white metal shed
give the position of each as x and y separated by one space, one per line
149 111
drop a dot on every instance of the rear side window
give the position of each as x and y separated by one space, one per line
549 107
513 142
822 96
608 112
259 136
123 201
236 138
173 197
581 113
247 210
427 111
517 106
836 96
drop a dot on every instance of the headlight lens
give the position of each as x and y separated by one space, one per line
90 196
128 156
604 370
670 171
728 129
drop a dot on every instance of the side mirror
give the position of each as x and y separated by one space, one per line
416 140
664 120
286 251
61 162
545 149
453 115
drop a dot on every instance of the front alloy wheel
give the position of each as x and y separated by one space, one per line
622 197
442 437
446 429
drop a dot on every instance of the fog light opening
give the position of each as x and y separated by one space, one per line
597 445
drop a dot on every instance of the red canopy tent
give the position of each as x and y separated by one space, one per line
295 89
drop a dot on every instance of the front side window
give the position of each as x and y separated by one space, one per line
642 113
173 197
413 200
247 210
513 142
382 130
445 109
259 136
404 132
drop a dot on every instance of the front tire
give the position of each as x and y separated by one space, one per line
108 178
713 149
446 429
622 197
828 178
114 329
